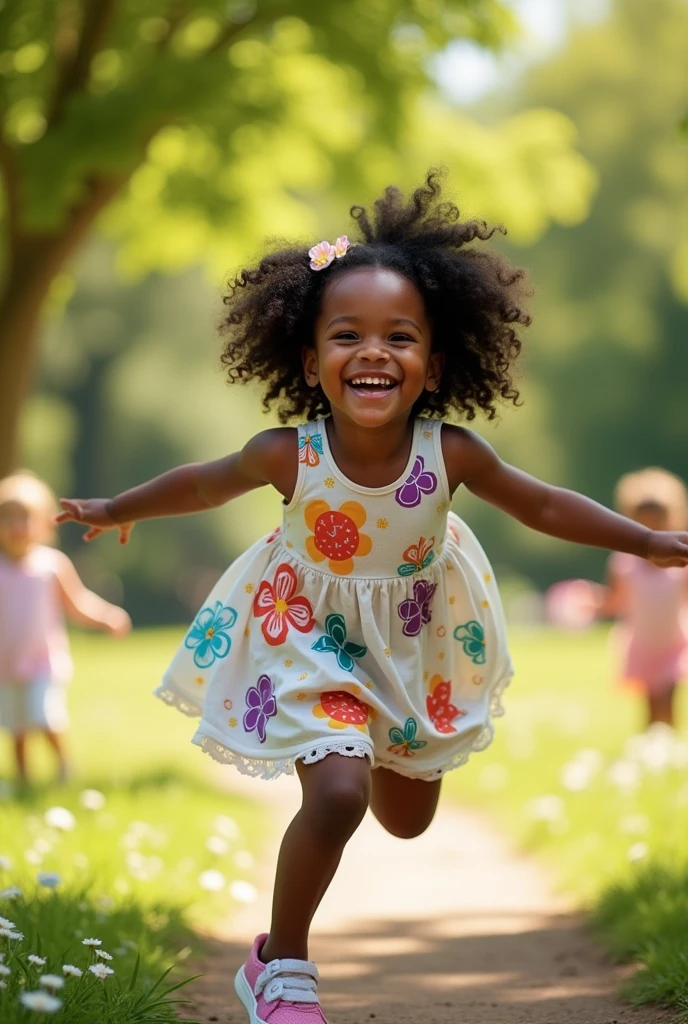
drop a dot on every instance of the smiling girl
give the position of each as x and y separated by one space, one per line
364 641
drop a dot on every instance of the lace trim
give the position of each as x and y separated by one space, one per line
267 768
481 742
178 701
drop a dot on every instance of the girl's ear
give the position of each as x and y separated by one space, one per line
435 367
310 365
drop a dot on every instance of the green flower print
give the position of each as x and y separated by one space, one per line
472 637
405 743
336 643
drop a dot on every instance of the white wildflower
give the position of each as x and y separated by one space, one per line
102 954
33 857
71 971
5 863
101 971
4 970
244 860
37 961
53 981
216 844
3 984
243 892
212 880
11 893
48 879
15 936
42 844
4 923
92 799
92 942
41 1002
625 775
60 818
637 851
226 826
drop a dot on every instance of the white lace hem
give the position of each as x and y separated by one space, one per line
272 768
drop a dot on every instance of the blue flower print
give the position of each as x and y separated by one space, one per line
208 635
405 744
472 637
336 643
310 449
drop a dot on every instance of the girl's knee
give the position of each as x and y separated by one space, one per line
408 829
336 800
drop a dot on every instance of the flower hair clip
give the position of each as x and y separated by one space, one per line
322 254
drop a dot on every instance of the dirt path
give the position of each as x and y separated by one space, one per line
450 928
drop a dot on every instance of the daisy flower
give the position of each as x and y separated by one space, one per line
38 961
53 981
92 942
4 970
41 1002
101 971
60 818
4 923
102 954
71 971
11 893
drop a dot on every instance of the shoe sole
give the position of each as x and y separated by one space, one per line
247 998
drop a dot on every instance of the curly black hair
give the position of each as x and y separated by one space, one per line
473 299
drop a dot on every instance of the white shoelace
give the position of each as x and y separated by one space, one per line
294 981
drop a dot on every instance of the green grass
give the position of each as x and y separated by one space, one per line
570 779
133 872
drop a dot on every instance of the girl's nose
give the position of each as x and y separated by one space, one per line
373 349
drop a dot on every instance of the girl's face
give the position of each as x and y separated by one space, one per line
20 529
373 347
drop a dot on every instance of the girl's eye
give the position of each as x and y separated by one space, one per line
401 337
346 336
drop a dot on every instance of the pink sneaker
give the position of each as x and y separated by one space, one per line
281 992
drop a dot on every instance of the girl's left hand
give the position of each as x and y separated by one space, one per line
667 549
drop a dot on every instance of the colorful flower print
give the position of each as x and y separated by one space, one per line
208 638
472 637
310 449
440 712
261 703
415 611
420 481
405 743
335 534
274 535
417 556
342 709
277 604
336 643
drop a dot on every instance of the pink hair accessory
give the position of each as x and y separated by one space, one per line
322 254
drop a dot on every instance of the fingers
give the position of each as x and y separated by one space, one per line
94 532
72 511
124 532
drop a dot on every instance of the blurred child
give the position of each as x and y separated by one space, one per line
651 603
38 585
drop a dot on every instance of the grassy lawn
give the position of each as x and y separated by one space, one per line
147 848
570 779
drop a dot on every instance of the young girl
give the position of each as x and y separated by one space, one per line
38 585
363 641
652 604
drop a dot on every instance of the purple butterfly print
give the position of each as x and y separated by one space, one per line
419 482
262 705
415 611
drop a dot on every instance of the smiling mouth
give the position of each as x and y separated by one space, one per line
372 386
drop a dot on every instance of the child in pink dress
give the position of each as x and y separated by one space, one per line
38 585
651 603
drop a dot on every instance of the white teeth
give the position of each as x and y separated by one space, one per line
385 381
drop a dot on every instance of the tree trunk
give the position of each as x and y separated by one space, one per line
34 261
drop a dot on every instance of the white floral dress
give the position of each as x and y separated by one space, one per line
368 625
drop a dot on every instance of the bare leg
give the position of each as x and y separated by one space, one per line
405 807
660 706
335 797
19 739
56 741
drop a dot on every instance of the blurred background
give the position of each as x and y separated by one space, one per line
149 148
151 155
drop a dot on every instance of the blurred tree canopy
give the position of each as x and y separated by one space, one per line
606 358
193 129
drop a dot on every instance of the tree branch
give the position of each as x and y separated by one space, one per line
75 71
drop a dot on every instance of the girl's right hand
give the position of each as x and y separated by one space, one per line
92 512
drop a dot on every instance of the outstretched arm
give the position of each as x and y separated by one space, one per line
552 510
85 607
268 458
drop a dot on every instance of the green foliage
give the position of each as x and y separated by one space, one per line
606 809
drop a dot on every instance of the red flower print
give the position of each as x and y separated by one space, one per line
277 604
440 712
